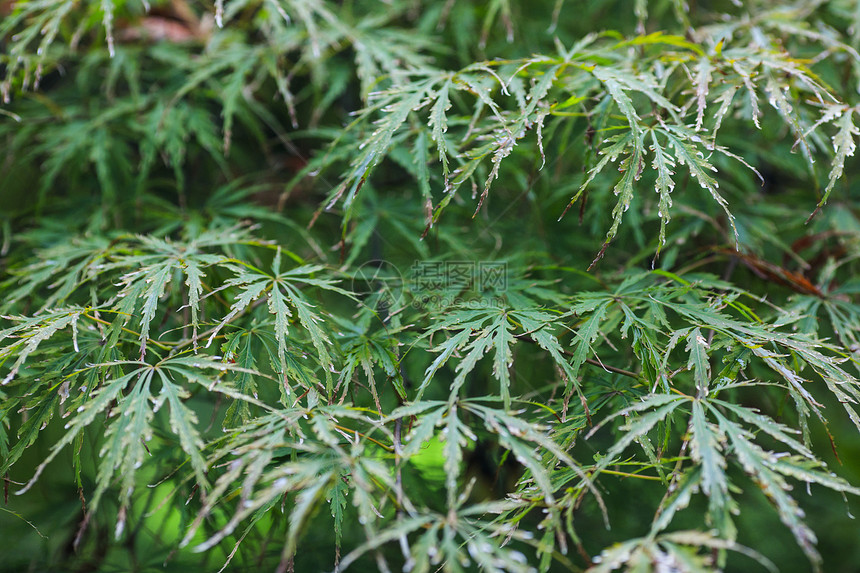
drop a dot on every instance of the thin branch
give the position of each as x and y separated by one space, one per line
591 361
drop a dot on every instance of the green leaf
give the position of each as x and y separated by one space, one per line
758 463
843 147
664 164
661 406
699 360
706 447
182 422
586 334
337 504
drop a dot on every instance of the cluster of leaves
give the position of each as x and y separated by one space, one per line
250 213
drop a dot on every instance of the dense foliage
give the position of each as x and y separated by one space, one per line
429 285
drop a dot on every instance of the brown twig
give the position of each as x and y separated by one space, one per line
591 361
